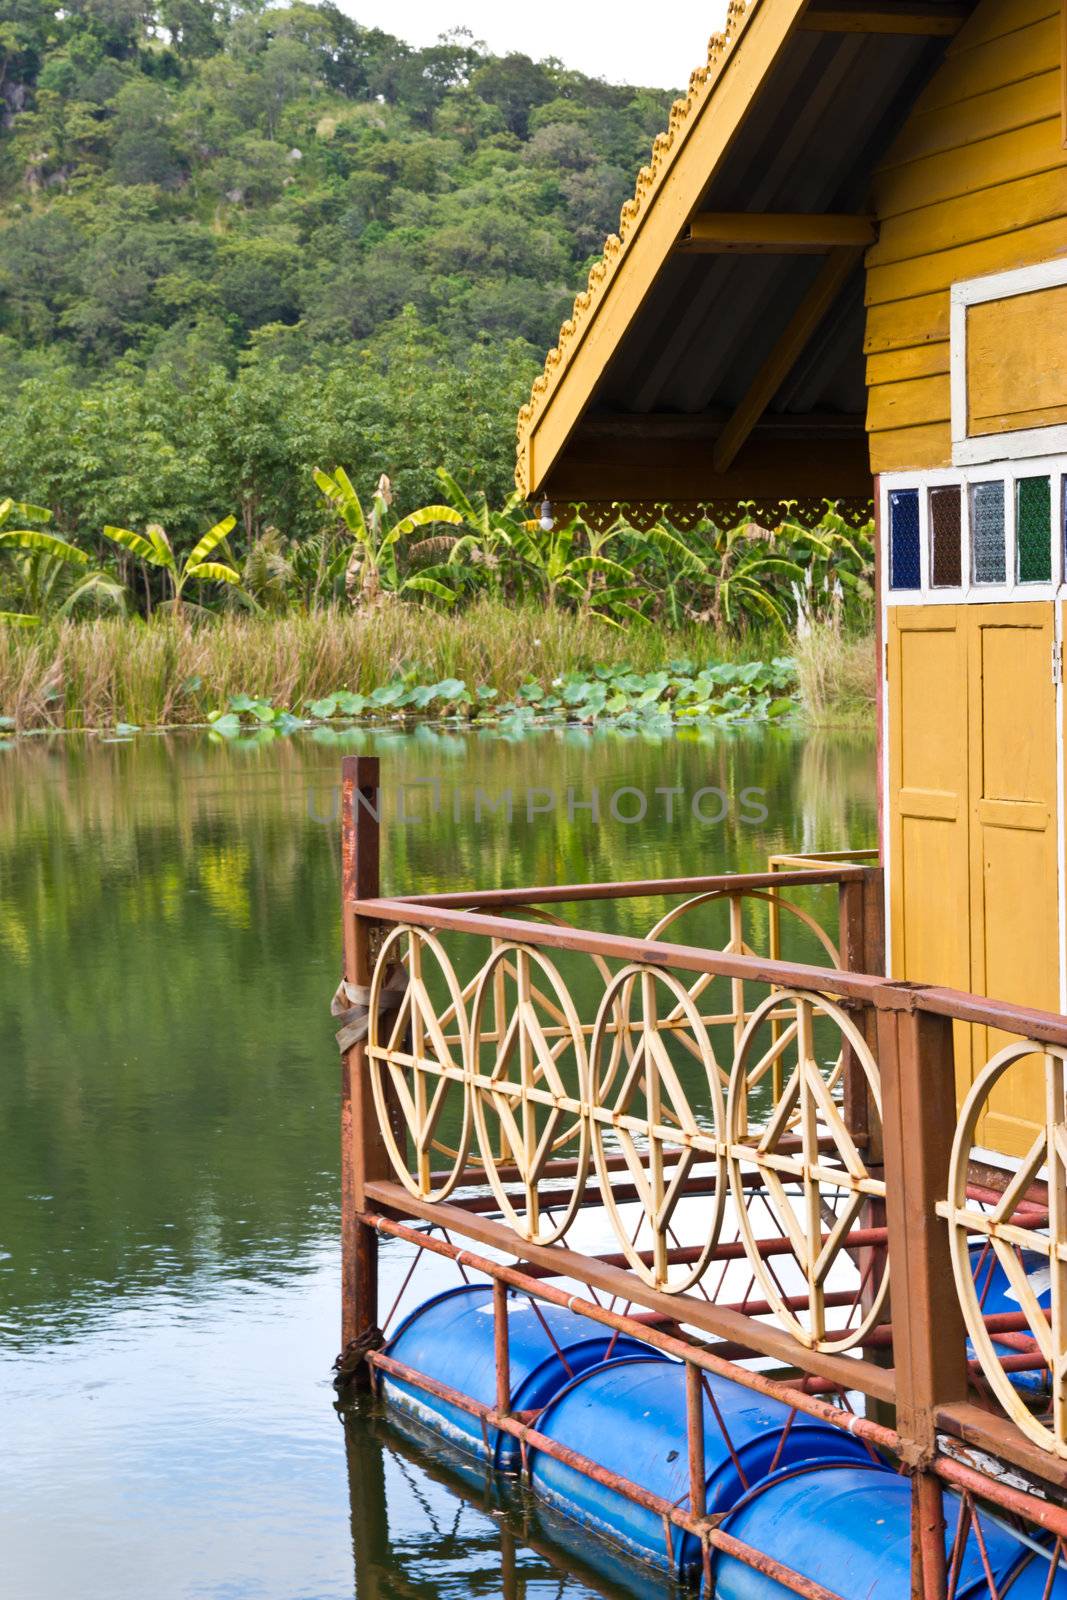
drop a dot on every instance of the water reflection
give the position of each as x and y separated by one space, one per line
427 1521
168 1082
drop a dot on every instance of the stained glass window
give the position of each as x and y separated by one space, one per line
904 567
987 533
946 530
1033 529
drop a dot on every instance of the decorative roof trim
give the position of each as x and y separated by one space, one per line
601 515
665 149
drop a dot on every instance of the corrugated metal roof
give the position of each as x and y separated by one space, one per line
815 134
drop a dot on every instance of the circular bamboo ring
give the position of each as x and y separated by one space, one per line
535 1111
415 1054
668 1120
1006 1238
737 945
808 1112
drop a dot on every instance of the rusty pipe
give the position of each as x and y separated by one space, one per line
772 1389
689 1522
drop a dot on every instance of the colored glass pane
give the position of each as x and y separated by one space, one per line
904 566
946 538
1033 530
987 533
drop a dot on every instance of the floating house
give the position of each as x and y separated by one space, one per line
844 276
819 1203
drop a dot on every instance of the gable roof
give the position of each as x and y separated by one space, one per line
796 102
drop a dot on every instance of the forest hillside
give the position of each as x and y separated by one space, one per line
239 241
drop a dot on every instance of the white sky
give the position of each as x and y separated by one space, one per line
622 42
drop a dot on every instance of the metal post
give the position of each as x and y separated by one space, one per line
862 942
929 1337
694 1413
500 1346
363 1155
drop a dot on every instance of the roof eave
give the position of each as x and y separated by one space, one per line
701 129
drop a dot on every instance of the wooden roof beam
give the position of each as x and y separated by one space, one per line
773 233
832 277
936 19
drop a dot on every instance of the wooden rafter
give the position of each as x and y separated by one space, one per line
932 18
773 233
832 277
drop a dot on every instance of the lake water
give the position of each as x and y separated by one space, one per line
168 1145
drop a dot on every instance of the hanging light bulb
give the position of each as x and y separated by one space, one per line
548 522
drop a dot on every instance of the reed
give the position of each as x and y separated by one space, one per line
95 674
838 676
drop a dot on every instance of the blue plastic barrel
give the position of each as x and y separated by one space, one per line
1031 1580
848 1527
629 1416
996 1296
450 1338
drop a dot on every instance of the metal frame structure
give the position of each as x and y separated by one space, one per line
861 1162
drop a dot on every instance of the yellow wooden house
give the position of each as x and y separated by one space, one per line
844 276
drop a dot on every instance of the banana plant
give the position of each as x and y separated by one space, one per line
837 566
154 547
568 561
487 548
43 566
733 577
373 566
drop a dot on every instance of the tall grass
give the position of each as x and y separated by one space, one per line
838 675
94 674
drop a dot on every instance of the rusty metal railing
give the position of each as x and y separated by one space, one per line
518 1070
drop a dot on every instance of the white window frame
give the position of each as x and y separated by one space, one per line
972 449
1008 472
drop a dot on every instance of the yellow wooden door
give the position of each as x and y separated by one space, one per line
929 861
973 838
1014 848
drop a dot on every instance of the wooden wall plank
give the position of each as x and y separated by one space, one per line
991 22
902 324
1027 205
926 275
909 404
912 449
980 116
914 361
1018 55
976 182
980 165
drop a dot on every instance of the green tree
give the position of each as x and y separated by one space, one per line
516 85
236 240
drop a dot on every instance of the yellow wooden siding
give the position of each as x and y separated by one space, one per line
1006 387
975 183
1017 105
981 58
973 843
899 366
905 324
962 174
910 402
